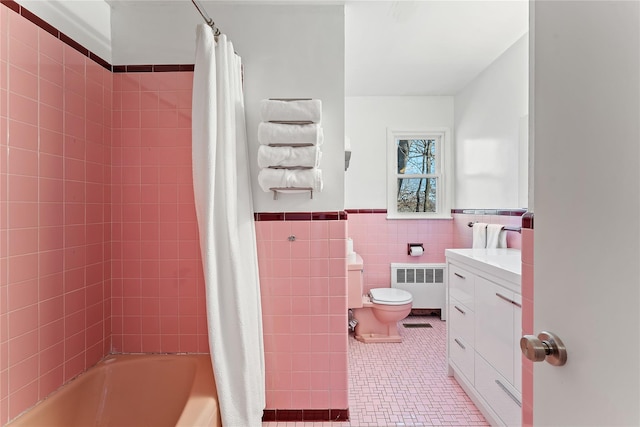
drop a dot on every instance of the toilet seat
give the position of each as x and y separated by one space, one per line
390 296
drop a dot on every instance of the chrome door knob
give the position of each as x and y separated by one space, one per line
532 348
546 346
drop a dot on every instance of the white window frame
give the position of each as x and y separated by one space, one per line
444 193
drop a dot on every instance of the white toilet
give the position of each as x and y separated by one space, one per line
377 313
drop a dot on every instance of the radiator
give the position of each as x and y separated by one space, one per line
425 282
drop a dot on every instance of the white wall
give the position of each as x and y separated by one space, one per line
294 51
87 22
366 122
488 151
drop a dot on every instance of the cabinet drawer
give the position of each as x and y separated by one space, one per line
503 398
461 320
494 327
461 284
461 354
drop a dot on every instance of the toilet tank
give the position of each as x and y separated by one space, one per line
355 283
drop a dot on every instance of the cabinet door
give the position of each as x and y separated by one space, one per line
494 326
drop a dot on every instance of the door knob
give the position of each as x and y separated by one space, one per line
546 346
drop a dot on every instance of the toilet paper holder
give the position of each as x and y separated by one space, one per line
414 245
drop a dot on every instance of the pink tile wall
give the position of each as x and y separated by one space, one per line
527 324
380 241
4 345
55 233
158 287
304 307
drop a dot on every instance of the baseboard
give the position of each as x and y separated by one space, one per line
305 415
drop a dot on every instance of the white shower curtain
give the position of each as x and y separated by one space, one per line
224 208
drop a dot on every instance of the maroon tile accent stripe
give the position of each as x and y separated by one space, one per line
501 212
160 68
527 220
292 415
366 211
300 216
27 14
40 22
12 5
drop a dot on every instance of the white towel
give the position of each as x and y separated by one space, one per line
273 110
289 156
479 235
287 178
496 236
283 134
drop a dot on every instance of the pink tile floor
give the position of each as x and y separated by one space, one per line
405 384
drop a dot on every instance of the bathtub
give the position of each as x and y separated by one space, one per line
135 391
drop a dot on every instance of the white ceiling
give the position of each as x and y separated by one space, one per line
428 47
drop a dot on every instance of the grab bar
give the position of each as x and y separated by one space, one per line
506 227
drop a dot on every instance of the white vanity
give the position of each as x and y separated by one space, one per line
484 325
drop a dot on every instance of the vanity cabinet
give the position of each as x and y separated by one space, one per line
484 328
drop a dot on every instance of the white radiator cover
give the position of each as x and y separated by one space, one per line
425 282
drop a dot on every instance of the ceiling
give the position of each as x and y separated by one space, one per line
426 47
429 47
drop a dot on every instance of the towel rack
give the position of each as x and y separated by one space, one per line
292 168
506 227
302 145
291 190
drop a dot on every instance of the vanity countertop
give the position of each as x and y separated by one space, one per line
505 264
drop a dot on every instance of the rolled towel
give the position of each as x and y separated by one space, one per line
289 156
281 134
496 236
479 235
287 178
307 110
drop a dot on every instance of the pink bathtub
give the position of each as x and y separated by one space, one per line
135 391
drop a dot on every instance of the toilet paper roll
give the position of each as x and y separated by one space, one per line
416 251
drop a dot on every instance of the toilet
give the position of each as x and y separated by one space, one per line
378 312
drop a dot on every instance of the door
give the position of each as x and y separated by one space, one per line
586 120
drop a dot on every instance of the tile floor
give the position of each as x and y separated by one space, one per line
405 384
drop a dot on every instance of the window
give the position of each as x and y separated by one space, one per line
417 185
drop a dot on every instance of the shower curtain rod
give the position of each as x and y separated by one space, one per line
207 19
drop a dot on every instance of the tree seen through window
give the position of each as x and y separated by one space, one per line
416 163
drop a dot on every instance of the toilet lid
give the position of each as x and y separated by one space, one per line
390 296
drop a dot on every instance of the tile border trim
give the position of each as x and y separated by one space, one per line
527 220
41 23
300 216
500 212
366 211
291 415
158 68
